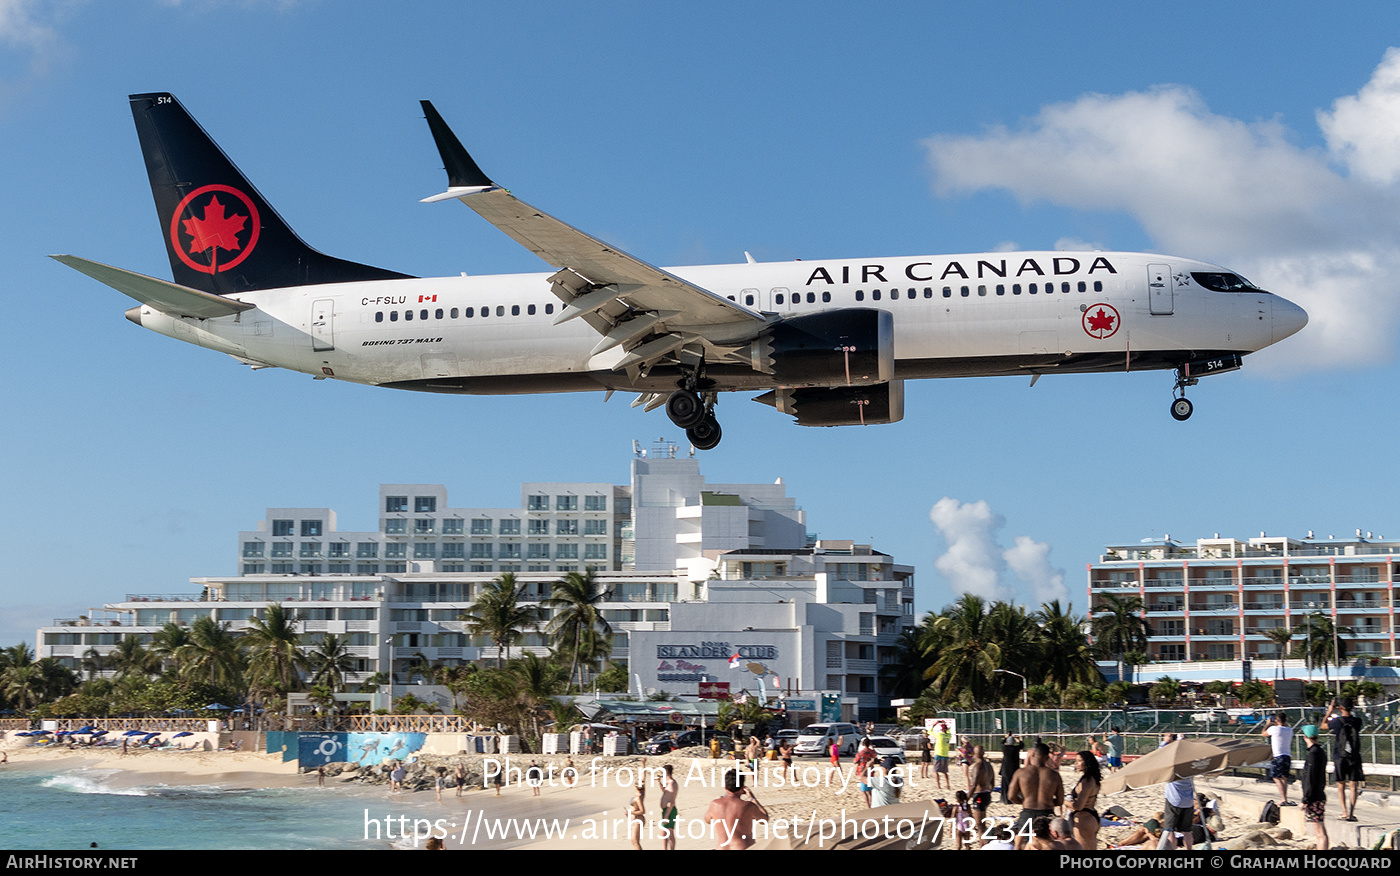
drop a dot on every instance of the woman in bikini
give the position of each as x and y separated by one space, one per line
1081 802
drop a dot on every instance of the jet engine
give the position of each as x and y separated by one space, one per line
849 347
840 405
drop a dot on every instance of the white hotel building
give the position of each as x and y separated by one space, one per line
396 592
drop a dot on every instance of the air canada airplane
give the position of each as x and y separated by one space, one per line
829 342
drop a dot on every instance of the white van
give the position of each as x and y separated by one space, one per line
816 739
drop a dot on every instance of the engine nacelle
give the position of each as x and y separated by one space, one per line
840 405
849 347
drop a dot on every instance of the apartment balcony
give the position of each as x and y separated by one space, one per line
1164 608
1214 608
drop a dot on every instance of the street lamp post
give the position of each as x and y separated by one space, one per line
1025 696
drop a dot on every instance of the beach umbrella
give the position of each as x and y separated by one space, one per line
182 733
1185 758
99 733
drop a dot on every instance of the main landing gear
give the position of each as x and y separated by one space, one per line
1181 405
695 413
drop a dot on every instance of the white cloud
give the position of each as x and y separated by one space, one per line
1030 561
1241 194
976 563
26 29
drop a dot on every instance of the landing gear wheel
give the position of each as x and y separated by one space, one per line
1181 409
685 408
705 434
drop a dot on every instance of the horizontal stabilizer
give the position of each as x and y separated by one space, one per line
163 295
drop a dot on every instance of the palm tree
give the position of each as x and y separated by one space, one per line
329 661
1066 656
1320 642
1119 627
1019 637
213 653
1280 636
93 663
21 679
167 643
131 659
276 661
498 614
578 623
966 664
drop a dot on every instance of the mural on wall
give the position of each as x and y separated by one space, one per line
365 749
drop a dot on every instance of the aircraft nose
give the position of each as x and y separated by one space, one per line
1288 318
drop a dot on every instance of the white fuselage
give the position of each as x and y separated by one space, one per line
958 315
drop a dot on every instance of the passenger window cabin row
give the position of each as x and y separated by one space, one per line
750 300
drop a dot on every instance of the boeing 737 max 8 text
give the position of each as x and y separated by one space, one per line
829 342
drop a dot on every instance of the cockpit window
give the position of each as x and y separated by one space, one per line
1223 282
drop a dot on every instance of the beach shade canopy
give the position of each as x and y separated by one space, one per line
98 733
217 706
1187 757
182 733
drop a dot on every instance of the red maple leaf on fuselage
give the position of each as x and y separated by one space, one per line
215 229
1101 321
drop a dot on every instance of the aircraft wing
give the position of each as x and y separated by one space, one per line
163 295
652 313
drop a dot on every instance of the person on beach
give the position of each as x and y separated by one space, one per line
1114 741
439 779
636 810
569 774
321 776
865 758
670 790
499 780
1179 816
459 776
925 755
1062 834
941 739
1038 790
1315 786
835 756
752 752
1011 748
535 776
885 783
733 815
1280 737
980 788
1080 806
965 760
1346 753
785 750
396 777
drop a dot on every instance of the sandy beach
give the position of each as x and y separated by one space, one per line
592 813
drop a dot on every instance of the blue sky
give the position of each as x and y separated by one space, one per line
1262 137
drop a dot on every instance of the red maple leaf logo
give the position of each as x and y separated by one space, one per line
1100 322
215 229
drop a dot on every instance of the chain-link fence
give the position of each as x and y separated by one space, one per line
1142 729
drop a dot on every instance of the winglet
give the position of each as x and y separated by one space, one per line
462 171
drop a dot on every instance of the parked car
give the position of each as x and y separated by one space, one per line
816 739
887 746
669 741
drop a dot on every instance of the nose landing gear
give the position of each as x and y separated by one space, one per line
1181 405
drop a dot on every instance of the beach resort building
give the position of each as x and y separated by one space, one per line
1219 598
667 544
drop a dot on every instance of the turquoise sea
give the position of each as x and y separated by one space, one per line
70 809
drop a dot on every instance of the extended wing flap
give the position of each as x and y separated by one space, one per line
163 295
639 286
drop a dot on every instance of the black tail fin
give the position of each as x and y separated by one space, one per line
220 234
